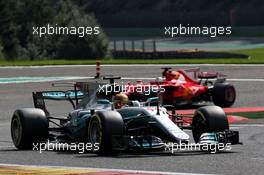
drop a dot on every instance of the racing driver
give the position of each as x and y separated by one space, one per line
120 100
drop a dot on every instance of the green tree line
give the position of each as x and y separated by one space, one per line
150 13
18 17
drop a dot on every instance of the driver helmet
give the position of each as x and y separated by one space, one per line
120 100
172 75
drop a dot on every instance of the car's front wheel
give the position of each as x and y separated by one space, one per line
208 119
102 127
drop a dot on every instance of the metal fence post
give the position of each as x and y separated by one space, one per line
133 45
124 45
114 45
154 46
143 45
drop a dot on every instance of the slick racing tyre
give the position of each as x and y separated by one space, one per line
102 127
28 126
224 94
208 119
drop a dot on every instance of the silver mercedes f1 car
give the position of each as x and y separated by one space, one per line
134 127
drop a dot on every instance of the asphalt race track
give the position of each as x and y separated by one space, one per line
242 159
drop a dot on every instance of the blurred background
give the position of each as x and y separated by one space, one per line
124 21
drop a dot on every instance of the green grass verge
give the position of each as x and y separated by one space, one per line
256 57
250 115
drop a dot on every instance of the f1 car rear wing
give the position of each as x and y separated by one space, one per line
196 73
80 91
203 77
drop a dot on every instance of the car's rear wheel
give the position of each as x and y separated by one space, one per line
208 119
224 94
28 126
102 127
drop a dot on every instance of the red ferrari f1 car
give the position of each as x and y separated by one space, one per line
185 87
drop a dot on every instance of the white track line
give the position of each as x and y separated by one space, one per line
39 79
46 79
247 125
246 79
230 79
7 147
137 65
105 169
